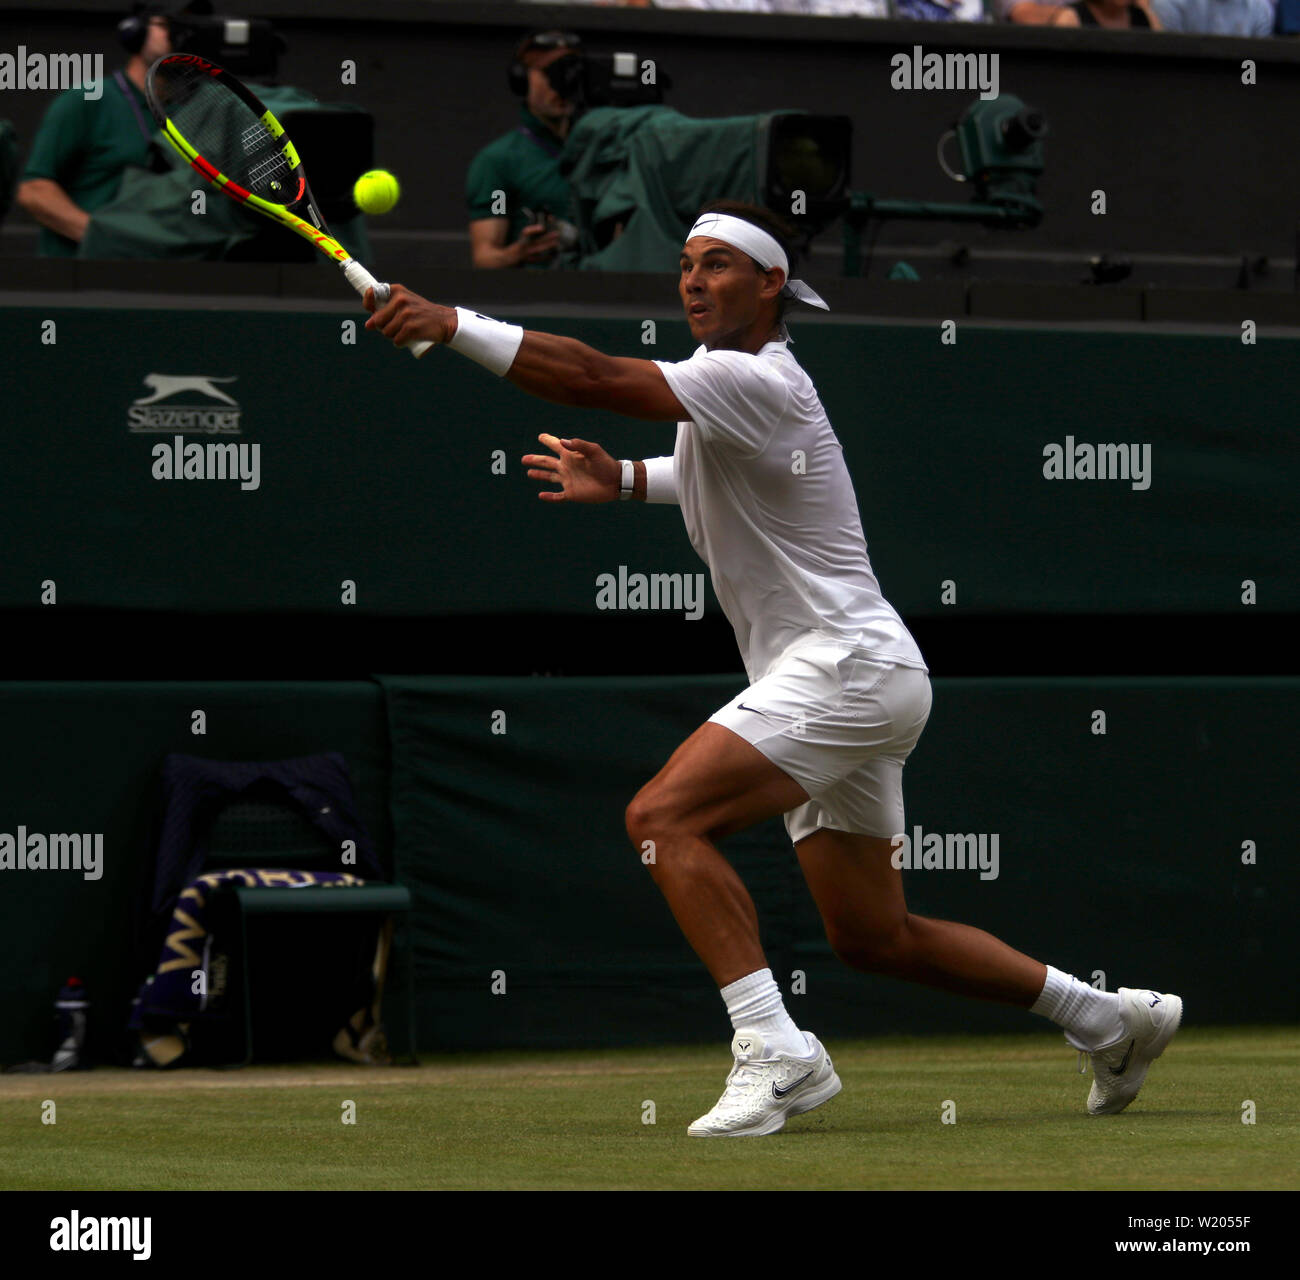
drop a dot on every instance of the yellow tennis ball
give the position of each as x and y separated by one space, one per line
376 191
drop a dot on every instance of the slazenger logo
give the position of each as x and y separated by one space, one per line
125 1235
150 413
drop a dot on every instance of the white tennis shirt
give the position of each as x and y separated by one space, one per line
770 508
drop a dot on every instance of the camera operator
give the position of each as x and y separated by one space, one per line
513 188
83 146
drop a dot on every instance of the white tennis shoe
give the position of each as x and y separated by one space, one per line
761 1092
1150 1020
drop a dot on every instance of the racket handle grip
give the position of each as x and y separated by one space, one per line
361 280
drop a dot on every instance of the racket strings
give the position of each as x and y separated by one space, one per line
268 173
255 136
225 131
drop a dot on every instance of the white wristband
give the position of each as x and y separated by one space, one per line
491 343
660 482
628 488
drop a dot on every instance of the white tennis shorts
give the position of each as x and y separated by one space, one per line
841 723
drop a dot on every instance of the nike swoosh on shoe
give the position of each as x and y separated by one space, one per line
1123 1066
780 1093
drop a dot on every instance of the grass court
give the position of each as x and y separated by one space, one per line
574 1121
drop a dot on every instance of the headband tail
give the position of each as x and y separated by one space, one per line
797 289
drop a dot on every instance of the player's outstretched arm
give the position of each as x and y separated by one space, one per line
569 372
546 365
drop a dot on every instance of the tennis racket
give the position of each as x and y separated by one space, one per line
225 132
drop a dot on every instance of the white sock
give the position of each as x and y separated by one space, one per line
754 1002
1090 1017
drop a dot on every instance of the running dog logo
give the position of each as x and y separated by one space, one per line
148 414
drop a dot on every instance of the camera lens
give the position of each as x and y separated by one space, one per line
1024 128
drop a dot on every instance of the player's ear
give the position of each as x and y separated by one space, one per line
772 285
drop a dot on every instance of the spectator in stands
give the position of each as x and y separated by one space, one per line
1117 14
518 175
1217 17
818 8
1028 13
941 10
83 146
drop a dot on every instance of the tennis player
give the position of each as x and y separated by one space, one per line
838 693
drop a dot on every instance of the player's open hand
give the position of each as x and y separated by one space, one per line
584 471
406 317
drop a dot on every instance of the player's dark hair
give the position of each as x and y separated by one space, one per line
776 226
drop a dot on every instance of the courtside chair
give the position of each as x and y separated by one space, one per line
286 815
249 833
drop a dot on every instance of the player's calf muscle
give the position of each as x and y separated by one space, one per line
884 950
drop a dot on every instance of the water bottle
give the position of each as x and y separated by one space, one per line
70 1010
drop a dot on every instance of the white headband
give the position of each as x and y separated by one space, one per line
760 246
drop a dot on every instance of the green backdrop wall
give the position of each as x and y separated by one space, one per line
379 469
1119 852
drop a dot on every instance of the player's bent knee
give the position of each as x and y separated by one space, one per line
647 818
651 827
